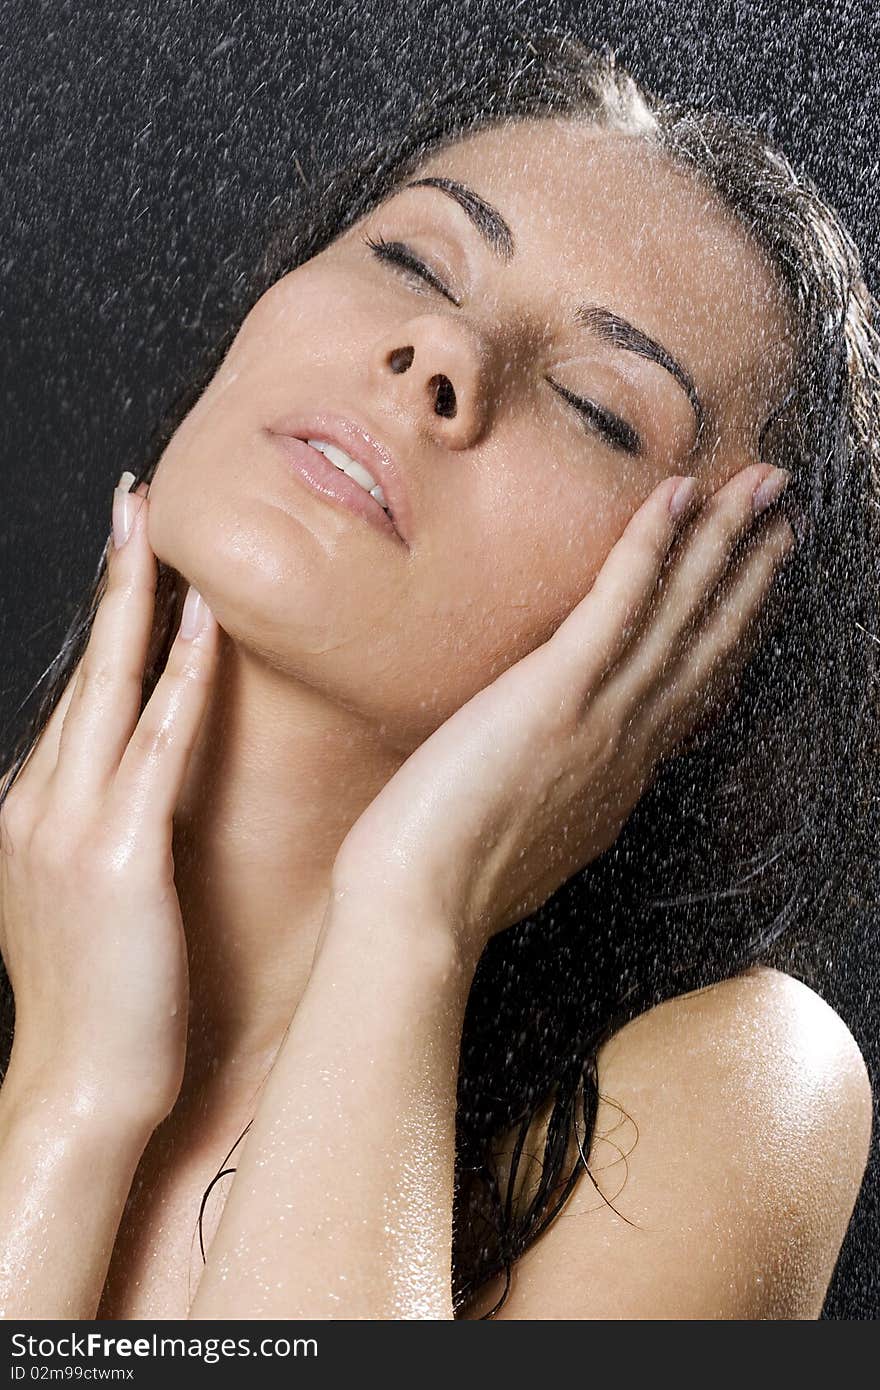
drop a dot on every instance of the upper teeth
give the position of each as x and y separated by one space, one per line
351 467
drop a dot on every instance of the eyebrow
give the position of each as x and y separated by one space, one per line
610 327
487 220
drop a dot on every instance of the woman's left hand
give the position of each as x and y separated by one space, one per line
535 776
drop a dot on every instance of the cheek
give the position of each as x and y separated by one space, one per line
499 593
540 549
307 314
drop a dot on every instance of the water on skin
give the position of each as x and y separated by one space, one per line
162 242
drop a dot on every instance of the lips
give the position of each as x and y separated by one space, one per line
363 446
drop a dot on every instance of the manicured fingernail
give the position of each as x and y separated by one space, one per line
682 496
195 613
126 505
772 487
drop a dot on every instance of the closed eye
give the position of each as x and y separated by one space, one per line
616 431
400 255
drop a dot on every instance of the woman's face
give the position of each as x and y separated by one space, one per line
514 498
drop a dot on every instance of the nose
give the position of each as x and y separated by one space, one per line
435 369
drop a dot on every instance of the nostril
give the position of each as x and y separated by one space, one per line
445 403
401 359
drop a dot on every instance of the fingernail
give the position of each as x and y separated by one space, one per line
126 505
772 487
195 613
682 496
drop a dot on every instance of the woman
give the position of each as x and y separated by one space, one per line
427 853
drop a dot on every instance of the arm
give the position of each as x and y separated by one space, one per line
342 1202
91 936
65 1173
341 1206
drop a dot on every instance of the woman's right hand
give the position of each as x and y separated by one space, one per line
90 924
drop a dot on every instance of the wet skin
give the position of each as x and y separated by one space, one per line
344 649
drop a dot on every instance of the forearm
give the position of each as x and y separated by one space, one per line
341 1206
65 1174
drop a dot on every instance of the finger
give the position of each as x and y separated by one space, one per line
40 761
598 630
701 561
106 701
708 667
148 782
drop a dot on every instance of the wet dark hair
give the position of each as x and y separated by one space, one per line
765 825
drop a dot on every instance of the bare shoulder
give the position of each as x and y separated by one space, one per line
764 1029
729 1149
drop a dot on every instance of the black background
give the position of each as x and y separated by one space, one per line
143 148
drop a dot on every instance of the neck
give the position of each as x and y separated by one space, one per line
278 776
